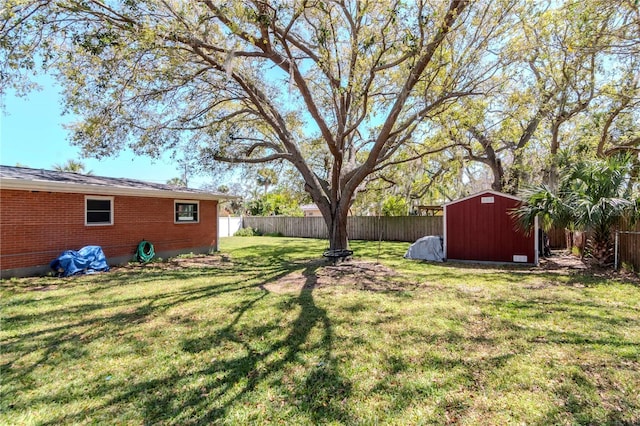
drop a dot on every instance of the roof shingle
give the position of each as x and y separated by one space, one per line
43 178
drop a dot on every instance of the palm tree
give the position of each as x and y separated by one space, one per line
72 166
178 182
593 196
266 178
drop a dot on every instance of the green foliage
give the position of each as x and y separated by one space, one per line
266 178
256 83
550 209
247 232
176 181
395 205
432 182
281 203
628 266
257 208
72 166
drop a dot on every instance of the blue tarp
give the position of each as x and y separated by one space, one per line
87 260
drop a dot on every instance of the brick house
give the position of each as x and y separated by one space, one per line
44 212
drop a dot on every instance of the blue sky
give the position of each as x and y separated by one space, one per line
32 134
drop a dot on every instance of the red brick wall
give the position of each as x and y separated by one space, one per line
35 227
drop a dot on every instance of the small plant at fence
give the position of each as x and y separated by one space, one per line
247 232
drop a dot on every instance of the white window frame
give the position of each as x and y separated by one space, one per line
175 207
98 197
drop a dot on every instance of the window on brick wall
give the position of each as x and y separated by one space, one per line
186 211
98 210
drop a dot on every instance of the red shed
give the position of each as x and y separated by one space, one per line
479 228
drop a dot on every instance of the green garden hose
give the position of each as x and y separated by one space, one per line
145 251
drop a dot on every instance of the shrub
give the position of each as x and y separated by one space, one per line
246 232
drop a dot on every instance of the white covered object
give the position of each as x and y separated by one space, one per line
426 248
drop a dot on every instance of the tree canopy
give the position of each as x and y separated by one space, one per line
345 92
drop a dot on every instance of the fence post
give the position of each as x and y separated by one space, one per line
615 251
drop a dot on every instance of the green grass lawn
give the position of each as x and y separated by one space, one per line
264 334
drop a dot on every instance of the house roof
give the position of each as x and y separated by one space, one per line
485 192
27 179
309 207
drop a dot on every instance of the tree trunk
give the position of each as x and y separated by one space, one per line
555 147
338 239
600 247
334 214
498 175
512 179
568 240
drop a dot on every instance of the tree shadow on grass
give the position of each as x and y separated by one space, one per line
320 394
69 327
317 393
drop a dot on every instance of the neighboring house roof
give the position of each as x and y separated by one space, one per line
23 178
309 207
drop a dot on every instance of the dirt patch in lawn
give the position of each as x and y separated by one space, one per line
218 261
567 264
318 273
371 276
562 262
368 276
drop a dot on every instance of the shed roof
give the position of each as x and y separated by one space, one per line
24 178
485 192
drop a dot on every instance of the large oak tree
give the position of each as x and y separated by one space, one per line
350 82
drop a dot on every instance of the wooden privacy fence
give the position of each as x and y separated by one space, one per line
303 227
557 238
627 247
371 228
